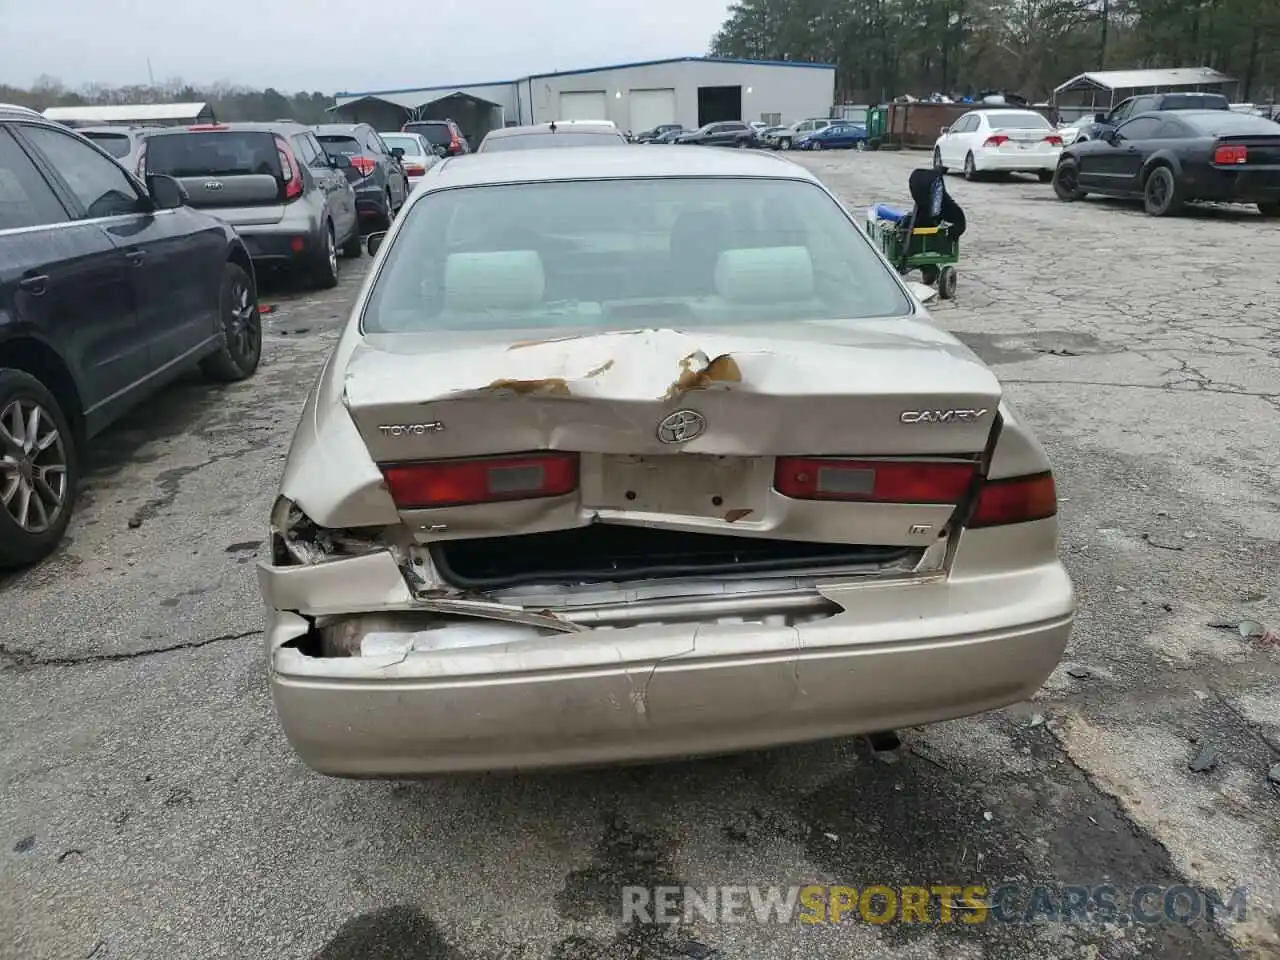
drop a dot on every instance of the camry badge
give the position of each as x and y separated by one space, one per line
942 416
681 426
213 184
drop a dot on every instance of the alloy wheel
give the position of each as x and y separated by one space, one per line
332 252
33 466
243 322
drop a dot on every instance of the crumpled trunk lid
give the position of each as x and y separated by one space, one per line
899 388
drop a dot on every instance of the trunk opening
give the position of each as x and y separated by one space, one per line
612 553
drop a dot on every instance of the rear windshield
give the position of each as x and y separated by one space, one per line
541 141
610 254
1182 101
411 146
116 144
221 154
1230 124
1017 121
437 134
334 144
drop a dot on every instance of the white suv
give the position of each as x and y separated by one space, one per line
799 130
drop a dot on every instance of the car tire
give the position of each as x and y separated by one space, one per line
27 542
784 143
1160 194
1269 210
860 145
241 348
970 168
324 275
937 161
1045 176
817 145
353 246
1066 182
742 144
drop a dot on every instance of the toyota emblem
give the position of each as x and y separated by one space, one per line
681 426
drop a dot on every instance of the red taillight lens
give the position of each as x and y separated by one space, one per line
1016 500
414 169
996 140
454 144
364 165
1231 155
453 483
875 481
1053 140
289 170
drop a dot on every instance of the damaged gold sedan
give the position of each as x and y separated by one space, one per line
631 454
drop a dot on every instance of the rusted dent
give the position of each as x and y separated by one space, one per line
723 369
733 516
553 386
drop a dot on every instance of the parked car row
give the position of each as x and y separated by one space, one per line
1186 148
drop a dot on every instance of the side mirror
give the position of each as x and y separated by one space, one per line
340 161
1112 137
944 131
1099 118
440 151
166 192
375 241
397 152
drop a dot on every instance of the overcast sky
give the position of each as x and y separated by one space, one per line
329 46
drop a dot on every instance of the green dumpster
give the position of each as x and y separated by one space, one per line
877 118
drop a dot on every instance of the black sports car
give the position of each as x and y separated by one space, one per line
1172 157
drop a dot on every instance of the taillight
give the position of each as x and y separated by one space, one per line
364 165
454 143
874 481
1016 500
996 140
1053 140
1232 154
453 483
414 169
289 170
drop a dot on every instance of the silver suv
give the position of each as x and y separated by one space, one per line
290 202
798 131
123 143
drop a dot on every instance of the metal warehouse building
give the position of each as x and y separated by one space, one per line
636 96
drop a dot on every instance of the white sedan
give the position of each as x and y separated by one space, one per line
999 141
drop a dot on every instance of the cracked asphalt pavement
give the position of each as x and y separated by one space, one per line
151 808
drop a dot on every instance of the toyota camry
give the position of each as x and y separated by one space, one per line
627 455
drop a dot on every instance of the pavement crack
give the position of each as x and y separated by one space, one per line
1166 387
17 658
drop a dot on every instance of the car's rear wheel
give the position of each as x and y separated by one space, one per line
817 145
325 272
970 168
937 161
859 145
784 143
241 348
39 470
1066 182
1160 195
1269 209
353 246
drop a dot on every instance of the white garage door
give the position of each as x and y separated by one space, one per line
583 105
652 107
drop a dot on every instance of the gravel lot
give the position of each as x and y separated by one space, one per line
151 808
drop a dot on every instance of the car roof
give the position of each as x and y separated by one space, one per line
285 129
622 162
581 126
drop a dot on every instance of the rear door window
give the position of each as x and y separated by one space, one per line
213 154
437 134
305 148
26 199
101 186
116 144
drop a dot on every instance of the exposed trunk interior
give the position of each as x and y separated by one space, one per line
611 553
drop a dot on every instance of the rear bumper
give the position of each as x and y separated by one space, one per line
1020 161
1244 186
371 202
899 655
277 245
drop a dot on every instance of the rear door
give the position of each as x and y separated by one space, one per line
64 281
174 257
234 174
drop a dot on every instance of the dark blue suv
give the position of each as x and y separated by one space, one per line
109 289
